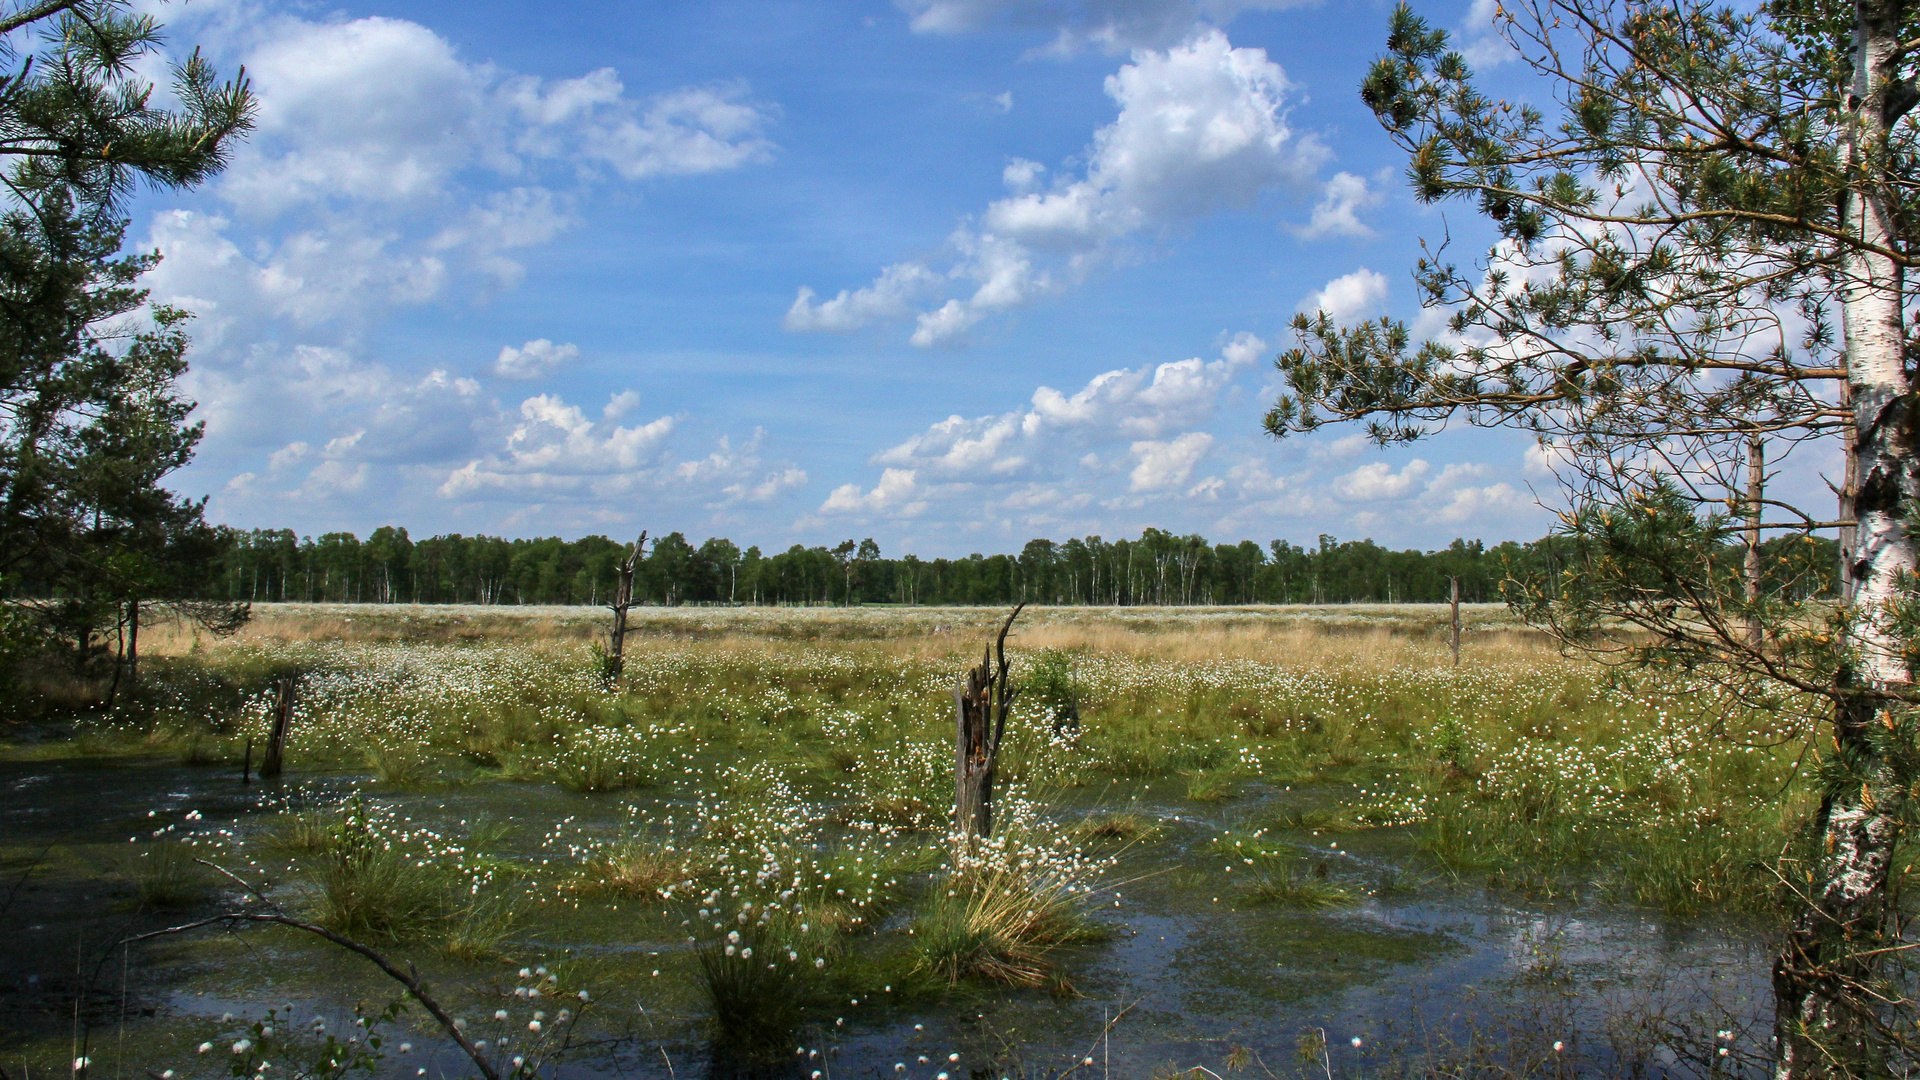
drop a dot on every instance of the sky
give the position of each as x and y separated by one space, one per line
950 274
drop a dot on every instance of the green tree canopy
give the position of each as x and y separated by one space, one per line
91 420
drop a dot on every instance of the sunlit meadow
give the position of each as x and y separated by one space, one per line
1298 839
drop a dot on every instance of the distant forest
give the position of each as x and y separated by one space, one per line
1157 568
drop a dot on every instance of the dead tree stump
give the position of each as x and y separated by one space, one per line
282 718
1454 624
980 702
1066 718
622 600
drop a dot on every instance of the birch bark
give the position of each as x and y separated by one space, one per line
1823 1018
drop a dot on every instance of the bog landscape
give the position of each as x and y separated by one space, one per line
786 642
1288 839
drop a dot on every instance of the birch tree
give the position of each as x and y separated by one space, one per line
1700 271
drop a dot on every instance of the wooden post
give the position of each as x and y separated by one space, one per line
980 702
622 600
282 718
1456 620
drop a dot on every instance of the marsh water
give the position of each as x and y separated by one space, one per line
1189 974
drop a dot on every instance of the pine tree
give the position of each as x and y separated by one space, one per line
90 417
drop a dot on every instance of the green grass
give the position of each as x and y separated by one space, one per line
166 876
399 763
475 929
1002 917
1286 884
598 760
1208 785
1529 775
758 997
371 885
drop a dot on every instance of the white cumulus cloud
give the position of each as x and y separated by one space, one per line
1338 211
896 493
1202 127
384 110
890 296
1377 480
1479 39
1136 425
1349 297
532 360
1473 504
1163 465
555 446
1126 404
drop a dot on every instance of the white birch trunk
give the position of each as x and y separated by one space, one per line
1821 1022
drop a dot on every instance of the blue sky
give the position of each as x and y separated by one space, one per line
947 273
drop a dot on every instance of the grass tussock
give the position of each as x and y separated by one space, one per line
305 831
166 876
1123 825
1331 819
991 932
759 986
374 883
1287 884
476 929
764 964
1211 785
638 867
197 747
1002 914
599 760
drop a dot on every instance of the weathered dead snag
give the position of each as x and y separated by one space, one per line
981 701
1453 623
622 600
283 692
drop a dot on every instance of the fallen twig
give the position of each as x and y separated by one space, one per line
410 978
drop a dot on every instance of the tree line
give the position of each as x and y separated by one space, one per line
1156 568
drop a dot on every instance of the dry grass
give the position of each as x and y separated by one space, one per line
637 867
1364 636
273 623
1115 825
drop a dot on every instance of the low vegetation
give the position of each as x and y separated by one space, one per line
762 819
